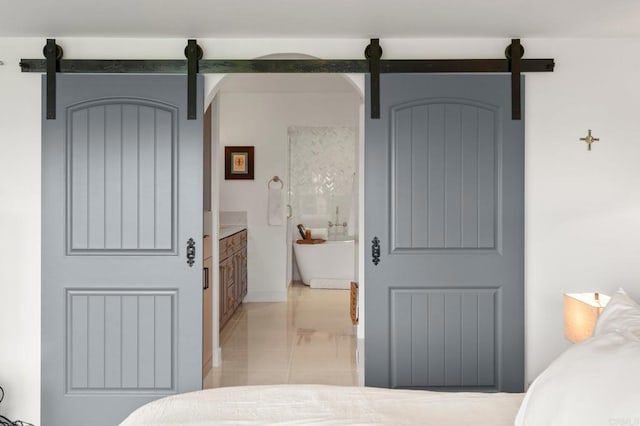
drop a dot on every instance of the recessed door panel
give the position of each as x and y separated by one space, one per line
444 176
105 356
443 337
122 177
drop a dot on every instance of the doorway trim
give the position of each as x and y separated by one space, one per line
213 84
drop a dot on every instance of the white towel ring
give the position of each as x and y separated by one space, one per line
276 179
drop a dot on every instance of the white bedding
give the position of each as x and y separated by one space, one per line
327 405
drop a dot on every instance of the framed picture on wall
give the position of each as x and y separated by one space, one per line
238 162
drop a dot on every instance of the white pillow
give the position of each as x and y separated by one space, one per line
595 382
621 315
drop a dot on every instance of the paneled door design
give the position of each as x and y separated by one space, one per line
121 197
444 196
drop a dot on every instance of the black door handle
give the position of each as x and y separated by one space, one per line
191 252
375 250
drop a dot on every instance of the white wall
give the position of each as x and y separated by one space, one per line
262 120
582 208
19 234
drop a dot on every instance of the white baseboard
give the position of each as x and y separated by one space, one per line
360 361
217 357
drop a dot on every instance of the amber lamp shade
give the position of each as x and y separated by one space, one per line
581 311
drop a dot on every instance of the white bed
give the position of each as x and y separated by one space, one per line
593 383
328 405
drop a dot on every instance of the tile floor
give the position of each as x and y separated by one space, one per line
308 339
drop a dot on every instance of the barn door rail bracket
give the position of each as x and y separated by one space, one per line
513 64
373 53
194 54
514 53
53 53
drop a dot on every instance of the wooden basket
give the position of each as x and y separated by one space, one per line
354 303
310 241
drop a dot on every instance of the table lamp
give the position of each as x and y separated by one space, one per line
581 311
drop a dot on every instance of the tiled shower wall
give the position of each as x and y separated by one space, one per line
321 173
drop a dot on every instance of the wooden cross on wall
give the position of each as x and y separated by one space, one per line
589 139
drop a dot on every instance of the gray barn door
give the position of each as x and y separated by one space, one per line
121 195
444 193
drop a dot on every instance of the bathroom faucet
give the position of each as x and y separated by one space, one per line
343 224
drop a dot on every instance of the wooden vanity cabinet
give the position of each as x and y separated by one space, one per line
233 274
207 308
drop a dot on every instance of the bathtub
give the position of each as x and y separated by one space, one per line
327 265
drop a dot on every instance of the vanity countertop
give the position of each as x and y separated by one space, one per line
229 230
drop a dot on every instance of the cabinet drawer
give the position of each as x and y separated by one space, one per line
232 244
224 248
243 238
234 241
